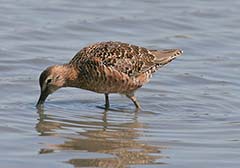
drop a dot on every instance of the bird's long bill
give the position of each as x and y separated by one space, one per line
42 99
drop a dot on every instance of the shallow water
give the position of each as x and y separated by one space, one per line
190 115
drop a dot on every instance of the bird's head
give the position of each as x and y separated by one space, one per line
51 79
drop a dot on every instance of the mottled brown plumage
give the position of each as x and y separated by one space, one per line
107 67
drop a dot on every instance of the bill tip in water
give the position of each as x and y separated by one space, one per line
39 105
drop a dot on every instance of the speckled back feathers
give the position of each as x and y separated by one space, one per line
126 58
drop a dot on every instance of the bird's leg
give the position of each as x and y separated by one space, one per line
134 100
107 105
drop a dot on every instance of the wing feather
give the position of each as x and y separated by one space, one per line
128 59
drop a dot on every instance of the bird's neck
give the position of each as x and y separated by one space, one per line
70 75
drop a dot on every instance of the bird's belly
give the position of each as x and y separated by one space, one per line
103 79
109 86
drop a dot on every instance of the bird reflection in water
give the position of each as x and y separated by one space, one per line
118 140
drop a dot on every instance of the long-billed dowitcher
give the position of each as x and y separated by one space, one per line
106 67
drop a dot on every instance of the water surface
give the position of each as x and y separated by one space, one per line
190 115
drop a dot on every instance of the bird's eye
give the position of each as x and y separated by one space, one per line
49 81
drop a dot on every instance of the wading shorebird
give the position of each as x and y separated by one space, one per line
106 67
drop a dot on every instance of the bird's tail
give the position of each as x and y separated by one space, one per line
163 57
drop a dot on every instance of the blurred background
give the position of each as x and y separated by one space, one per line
190 115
